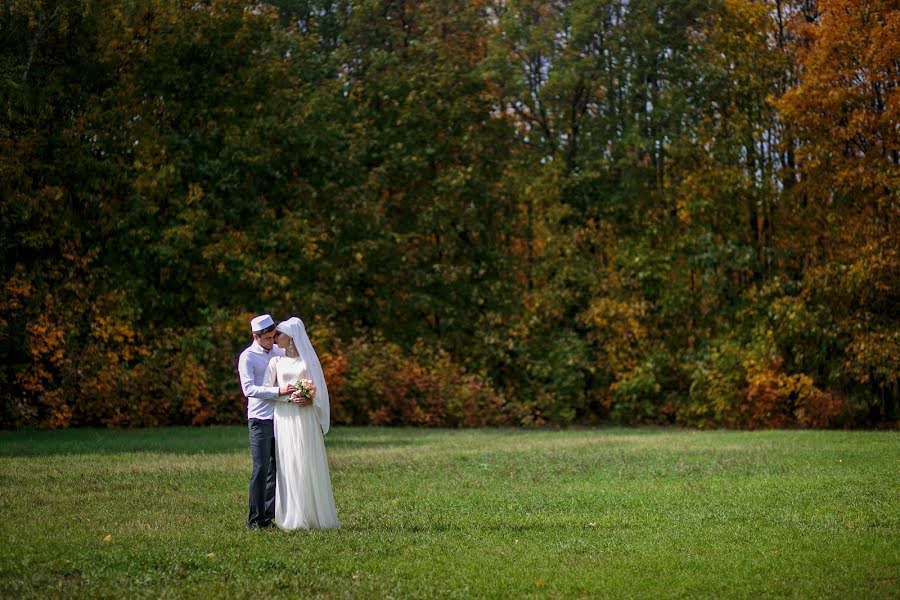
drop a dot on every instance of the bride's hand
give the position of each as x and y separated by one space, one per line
287 389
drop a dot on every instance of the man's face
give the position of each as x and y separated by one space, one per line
266 339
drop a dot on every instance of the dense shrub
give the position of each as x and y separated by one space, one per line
372 381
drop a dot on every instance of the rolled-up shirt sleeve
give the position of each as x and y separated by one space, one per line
250 389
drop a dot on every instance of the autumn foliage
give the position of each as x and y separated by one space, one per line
523 212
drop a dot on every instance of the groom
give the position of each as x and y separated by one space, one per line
260 414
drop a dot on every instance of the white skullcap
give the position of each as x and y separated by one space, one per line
261 322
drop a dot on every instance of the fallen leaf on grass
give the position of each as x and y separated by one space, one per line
539 582
108 538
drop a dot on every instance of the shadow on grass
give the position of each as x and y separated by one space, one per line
171 440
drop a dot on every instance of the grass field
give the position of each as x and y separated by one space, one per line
612 513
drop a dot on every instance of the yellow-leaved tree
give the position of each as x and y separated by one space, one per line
845 205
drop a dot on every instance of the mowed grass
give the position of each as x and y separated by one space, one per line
617 513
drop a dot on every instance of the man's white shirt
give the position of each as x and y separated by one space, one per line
252 369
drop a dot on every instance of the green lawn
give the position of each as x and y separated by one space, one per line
433 513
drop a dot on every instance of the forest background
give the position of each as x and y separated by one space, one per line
488 212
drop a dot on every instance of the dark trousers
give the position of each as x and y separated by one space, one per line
262 478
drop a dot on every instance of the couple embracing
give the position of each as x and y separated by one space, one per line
288 416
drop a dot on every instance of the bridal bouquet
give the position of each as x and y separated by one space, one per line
305 392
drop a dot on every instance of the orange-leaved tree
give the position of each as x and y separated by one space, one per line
845 205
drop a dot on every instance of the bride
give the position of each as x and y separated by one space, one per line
303 486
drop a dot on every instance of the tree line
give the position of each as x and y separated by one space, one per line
487 212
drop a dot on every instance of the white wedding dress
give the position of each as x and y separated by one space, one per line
303 496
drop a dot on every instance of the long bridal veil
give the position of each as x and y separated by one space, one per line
296 330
